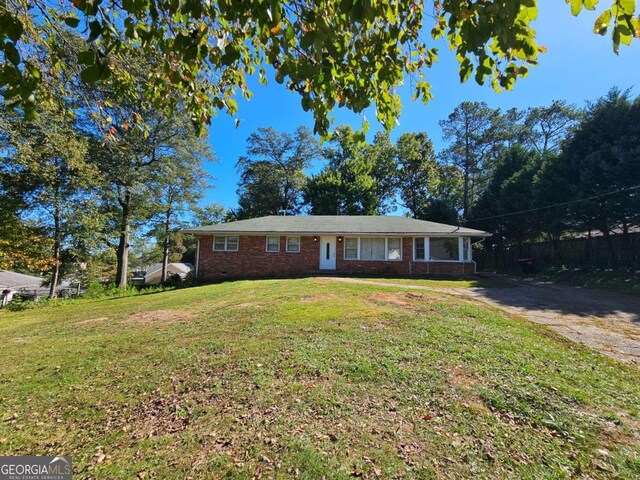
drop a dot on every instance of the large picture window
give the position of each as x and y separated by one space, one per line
372 248
227 243
444 249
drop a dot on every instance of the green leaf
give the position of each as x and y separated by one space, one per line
11 26
93 73
602 23
289 33
12 54
465 70
627 6
576 7
73 22
87 57
95 30
590 4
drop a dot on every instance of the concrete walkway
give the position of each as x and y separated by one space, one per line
605 321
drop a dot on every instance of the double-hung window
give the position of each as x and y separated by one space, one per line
227 243
394 249
466 249
293 244
419 252
372 248
273 244
351 248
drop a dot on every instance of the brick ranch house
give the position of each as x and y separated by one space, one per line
285 246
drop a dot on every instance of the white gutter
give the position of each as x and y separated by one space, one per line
475 266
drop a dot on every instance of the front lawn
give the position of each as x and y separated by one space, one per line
310 379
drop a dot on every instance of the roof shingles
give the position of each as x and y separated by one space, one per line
337 224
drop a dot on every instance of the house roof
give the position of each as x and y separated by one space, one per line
337 224
176 267
17 280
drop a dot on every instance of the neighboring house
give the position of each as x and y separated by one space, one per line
12 283
281 246
153 273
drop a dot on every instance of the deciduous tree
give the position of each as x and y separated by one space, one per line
330 52
272 174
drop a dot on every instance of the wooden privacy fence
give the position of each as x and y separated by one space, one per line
618 251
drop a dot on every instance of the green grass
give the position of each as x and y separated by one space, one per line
447 282
310 379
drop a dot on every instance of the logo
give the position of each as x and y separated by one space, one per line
35 468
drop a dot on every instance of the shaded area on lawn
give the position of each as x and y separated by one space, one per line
566 299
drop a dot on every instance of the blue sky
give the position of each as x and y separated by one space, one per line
578 66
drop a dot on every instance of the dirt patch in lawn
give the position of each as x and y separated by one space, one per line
407 300
459 378
160 316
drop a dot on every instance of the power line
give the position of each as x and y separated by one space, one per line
636 187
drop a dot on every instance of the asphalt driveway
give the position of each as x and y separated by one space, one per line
605 321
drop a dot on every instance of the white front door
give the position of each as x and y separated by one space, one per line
327 253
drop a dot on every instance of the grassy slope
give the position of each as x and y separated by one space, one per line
308 378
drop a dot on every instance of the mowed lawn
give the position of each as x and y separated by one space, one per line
310 379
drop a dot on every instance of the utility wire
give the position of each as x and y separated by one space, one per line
636 187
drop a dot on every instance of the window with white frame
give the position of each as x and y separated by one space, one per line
293 244
227 243
441 249
394 249
273 244
372 248
419 249
466 249
447 249
351 248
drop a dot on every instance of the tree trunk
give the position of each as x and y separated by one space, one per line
123 243
626 251
556 248
467 168
607 237
56 253
165 245
587 250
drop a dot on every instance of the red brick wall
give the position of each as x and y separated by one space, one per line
251 260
